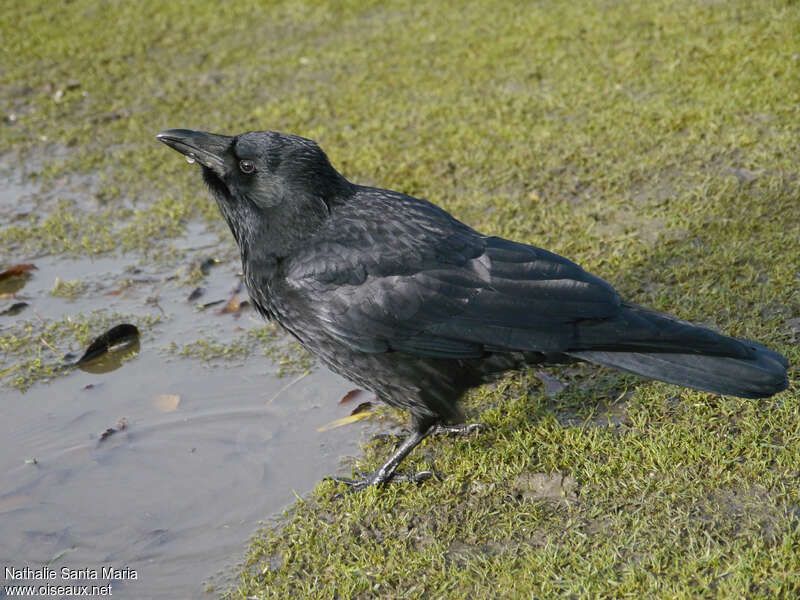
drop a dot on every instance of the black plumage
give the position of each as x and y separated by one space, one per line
399 297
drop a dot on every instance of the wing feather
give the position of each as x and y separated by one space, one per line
442 289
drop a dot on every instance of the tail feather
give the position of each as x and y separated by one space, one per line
760 377
661 347
639 329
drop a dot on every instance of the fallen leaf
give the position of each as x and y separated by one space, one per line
166 402
234 306
108 432
353 395
17 270
196 293
210 304
231 306
364 406
119 335
111 431
344 421
14 309
206 265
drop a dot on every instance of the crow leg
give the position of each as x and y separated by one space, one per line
387 472
437 430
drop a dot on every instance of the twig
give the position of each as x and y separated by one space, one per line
286 387
45 342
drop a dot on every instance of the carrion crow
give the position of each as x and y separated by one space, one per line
399 297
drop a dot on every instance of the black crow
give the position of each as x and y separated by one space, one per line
402 299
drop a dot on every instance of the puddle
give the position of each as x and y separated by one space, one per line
175 495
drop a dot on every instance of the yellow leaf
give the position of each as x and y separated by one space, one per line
167 402
344 421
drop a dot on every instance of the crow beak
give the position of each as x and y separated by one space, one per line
206 148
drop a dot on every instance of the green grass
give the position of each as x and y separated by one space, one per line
655 143
289 356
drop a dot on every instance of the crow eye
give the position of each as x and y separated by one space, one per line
247 166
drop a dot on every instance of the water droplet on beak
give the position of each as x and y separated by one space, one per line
190 159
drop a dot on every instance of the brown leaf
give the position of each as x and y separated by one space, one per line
111 431
231 306
353 395
234 306
108 432
17 270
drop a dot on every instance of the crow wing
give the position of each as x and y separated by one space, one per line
391 272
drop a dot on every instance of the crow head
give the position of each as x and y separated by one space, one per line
273 189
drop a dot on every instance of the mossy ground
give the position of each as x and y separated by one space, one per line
655 143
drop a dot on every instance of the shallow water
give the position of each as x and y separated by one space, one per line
176 494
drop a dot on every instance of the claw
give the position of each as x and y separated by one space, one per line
418 477
460 429
354 485
387 472
365 480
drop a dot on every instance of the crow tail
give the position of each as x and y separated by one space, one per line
661 347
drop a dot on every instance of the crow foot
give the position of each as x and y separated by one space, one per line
387 473
459 429
364 480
